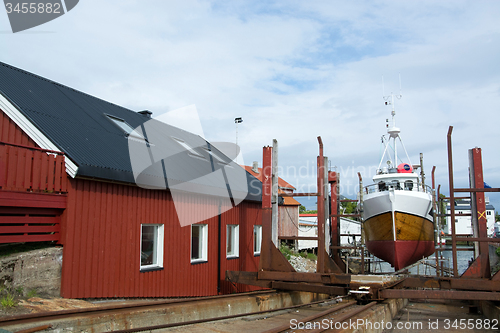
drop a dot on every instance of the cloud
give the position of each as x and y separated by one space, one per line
292 70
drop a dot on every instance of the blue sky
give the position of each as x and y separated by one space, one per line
292 70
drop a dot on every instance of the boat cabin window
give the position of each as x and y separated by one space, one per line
382 186
409 185
396 185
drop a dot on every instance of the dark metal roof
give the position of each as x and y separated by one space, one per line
78 124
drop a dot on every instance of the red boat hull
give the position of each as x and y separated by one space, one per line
401 242
401 253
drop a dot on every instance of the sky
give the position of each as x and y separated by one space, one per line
293 71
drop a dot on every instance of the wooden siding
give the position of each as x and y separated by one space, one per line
19 225
288 220
24 168
29 177
101 238
11 133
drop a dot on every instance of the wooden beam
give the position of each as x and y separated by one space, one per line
313 288
305 277
34 200
440 294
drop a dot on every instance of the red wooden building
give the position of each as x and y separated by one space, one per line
66 176
288 209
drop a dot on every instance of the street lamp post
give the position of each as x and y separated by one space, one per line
237 121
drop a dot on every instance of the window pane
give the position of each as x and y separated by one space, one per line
188 147
149 245
257 236
229 240
195 242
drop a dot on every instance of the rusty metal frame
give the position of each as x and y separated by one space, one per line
276 272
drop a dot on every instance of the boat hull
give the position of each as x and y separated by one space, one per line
398 226
414 238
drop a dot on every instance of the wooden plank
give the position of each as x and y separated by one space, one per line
305 277
64 177
36 169
29 219
58 173
29 238
11 168
440 294
32 200
44 170
28 229
51 160
21 161
28 161
249 278
3 165
29 211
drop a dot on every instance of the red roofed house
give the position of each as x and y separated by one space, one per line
288 211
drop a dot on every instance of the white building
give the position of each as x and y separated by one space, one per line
308 227
463 224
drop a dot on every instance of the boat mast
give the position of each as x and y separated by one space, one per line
393 131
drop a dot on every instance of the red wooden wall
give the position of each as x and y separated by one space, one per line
100 233
29 178
11 133
101 237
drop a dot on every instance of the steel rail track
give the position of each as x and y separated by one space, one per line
113 309
327 314
206 320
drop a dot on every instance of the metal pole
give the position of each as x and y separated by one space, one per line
452 203
266 250
422 173
274 195
437 230
320 264
478 210
327 225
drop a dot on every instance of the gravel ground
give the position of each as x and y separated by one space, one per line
303 264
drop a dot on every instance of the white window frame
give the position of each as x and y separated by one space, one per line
234 238
258 234
158 249
203 243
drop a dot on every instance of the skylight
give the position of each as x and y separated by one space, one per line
189 149
216 156
125 127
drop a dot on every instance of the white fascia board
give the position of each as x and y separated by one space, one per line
34 133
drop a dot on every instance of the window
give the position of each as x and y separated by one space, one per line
232 241
488 212
199 242
151 246
217 157
188 148
257 239
125 127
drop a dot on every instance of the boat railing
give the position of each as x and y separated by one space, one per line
398 186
